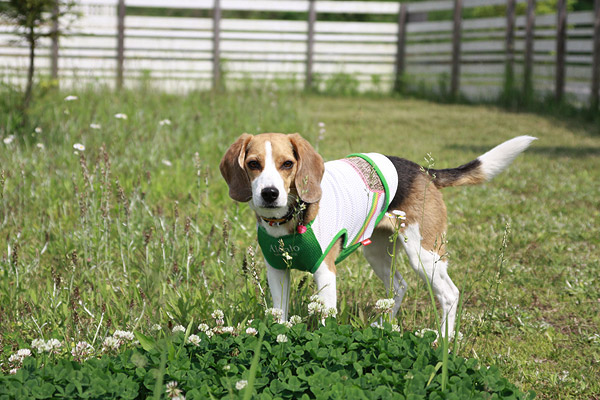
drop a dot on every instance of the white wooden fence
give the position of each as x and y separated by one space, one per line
177 53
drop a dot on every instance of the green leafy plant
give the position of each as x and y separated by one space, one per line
269 360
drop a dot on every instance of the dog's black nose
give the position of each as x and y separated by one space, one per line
269 194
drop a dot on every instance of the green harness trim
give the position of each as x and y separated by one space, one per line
303 251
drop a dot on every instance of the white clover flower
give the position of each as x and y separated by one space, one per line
396 328
209 334
124 336
156 327
385 305
54 345
330 312
167 163
165 122
71 98
9 139
239 385
178 328
173 392
217 314
317 299
226 367
121 116
281 338
38 344
38 129
321 124
82 351
315 308
13 371
203 327
287 324
251 331
79 146
228 329
423 331
95 126
295 319
277 313
40 146
15 359
24 353
194 339
111 343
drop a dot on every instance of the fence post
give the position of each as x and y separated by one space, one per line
310 44
456 36
54 50
510 48
528 67
594 99
400 49
561 37
120 42
216 84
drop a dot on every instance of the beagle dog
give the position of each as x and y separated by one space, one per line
311 214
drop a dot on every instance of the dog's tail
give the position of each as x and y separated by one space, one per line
484 167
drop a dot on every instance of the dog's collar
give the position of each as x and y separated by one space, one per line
297 210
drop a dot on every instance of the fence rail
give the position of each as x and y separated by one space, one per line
111 43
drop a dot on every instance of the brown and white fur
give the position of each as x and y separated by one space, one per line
271 171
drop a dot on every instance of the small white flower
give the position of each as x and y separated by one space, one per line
321 124
217 314
239 385
318 299
173 392
422 332
79 146
15 359
228 329
40 146
385 305
330 312
53 345
194 339
178 328
226 367
110 343
276 313
38 344
281 338
295 319
9 139
71 98
95 126
13 371
167 163
399 214
315 308
251 331
156 327
164 122
83 350
38 129
121 116
124 336
287 324
209 334
24 353
396 328
203 327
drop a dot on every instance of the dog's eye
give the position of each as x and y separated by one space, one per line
253 164
287 165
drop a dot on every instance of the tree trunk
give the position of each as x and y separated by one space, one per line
29 88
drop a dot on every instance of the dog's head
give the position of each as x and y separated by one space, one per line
272 170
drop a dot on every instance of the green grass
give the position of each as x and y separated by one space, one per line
120 239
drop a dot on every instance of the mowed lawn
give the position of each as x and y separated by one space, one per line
138 230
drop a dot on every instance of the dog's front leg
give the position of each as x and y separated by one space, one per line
279 283
326 286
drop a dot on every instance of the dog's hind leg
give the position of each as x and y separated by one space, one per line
279 284
434 271
379 256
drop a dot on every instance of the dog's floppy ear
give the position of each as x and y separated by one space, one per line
232 169
310 169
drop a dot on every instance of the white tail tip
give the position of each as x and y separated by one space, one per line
497 159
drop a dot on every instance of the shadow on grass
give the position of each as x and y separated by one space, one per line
552 151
